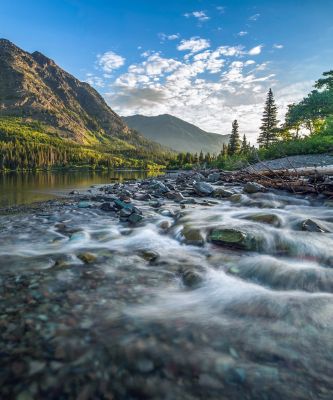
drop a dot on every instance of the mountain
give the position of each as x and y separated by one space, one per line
42 103
176 133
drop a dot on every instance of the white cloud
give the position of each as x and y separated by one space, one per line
254 17
200 15
242 33
278 46
110 61
164 36
255 50
194 44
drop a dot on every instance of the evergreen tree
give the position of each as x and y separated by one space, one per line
268 129
201 157
234 142
245 145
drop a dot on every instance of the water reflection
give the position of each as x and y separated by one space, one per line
24 188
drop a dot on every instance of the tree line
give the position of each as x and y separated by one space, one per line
313 114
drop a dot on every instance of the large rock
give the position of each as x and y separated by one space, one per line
253 187
233 238
191 279
203 188
312 226
159 187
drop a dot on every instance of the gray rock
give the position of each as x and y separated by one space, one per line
310 225
253 187
192 236
191 279
213 177
135 218
220 192
203 188
84 204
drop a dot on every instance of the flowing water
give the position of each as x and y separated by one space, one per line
99 309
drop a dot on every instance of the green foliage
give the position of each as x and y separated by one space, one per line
26 144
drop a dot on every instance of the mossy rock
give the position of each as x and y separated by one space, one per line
87 258
233 238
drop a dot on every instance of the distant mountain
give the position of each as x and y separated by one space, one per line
176 133
34 89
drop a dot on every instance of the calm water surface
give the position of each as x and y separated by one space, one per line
25 188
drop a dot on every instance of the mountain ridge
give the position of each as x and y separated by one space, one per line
176 133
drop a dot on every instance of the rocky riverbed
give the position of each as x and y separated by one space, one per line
178 287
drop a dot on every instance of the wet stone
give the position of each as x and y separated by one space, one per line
310 225
203 188
253 187
192 236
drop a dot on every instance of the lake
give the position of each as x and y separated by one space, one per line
24 188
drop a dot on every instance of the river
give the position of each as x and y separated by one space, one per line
28 187
95 308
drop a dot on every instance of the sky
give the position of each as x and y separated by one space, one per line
207 62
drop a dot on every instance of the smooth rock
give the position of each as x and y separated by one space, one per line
192 236
203 188
191 279
84 204
220 192
232 238
253 187
312 226
270 219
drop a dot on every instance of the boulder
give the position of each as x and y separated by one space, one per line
203 188
312 226
232 238
253 187
135 218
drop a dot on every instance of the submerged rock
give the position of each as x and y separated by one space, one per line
253 187
192 236
149 255
270 219
203 188
233 238
310 225
191 279
84 204
87 257
135 218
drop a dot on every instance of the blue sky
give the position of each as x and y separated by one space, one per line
207 62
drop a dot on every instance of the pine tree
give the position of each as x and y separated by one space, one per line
234 142
201 157
245 145
268 129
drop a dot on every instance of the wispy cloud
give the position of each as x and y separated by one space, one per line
255 50
200 15
193 45
221 9
164 36
110 61
278 46
254 17
242 33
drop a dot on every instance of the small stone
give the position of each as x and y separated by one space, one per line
108 206
125 212
192 236
84 204
145 365
165 225
36 366
232 238
149 255
220 192
270 219
191 279
87 258
135 218
214 177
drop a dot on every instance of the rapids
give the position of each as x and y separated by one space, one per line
89 303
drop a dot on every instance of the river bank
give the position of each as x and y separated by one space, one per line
182 286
